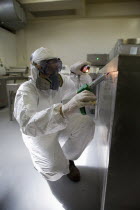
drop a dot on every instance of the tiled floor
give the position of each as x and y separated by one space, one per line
23 188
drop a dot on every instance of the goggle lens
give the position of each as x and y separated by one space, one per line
51 66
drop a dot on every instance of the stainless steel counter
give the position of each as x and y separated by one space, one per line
3 91
13 77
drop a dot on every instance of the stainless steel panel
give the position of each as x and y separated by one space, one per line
125 46
97 59
106 94
117 134
123 185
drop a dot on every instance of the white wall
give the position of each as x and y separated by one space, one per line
21 48
7 47
73 39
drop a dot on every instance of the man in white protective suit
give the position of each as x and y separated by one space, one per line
78 76
55 133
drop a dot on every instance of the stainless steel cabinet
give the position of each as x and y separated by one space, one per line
117 134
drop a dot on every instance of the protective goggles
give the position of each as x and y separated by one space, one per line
50 66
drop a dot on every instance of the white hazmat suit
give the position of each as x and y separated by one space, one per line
51 139
77 76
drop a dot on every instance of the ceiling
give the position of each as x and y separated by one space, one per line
38 9
106 1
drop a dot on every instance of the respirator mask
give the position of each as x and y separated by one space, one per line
51 78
